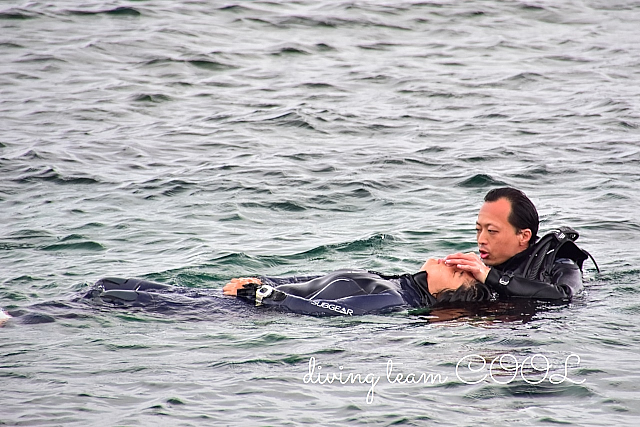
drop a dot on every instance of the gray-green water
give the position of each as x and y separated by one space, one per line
190 142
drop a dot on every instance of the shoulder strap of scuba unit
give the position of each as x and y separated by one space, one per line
558 243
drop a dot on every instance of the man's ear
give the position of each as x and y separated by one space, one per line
525 237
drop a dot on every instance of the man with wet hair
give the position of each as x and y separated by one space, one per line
512 261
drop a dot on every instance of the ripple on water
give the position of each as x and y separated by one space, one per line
481 180
151 97
541 391
74 242
116 11
18 14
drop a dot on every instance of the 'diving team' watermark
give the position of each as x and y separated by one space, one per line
472 369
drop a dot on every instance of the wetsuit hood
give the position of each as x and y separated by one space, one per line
421 288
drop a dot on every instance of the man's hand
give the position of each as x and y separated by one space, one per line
470 262
232 287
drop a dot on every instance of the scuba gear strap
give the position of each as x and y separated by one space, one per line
559 243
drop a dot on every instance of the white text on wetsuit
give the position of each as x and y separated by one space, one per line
333 307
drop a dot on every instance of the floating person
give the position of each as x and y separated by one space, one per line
342 292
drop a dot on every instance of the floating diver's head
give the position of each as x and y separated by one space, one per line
472 291
449 285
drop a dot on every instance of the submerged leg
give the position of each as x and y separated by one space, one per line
118 290
115 283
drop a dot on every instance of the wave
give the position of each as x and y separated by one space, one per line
117 11
481 180
151 97
75 242
52 175
294 119
17 14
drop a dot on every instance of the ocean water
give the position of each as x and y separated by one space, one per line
191 142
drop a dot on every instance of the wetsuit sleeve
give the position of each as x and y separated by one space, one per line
349 306
565 282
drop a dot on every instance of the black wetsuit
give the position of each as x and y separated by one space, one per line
551 269
343 292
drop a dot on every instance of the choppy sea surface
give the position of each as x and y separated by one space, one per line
191 142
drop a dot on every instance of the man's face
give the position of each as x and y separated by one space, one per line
497 238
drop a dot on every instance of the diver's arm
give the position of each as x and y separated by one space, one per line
288 283
565 282
268 296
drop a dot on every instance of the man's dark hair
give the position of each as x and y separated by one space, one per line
523 212
471 292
